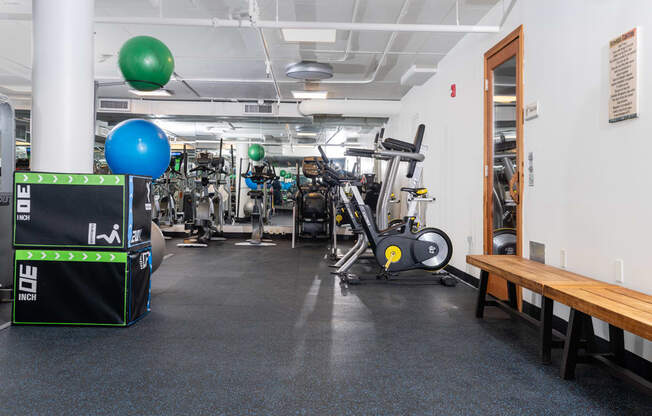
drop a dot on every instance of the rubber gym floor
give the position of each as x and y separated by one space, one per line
268 330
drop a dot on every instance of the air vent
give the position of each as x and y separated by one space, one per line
114 105
259 108
306 140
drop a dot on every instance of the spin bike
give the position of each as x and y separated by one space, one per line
396 248
260 174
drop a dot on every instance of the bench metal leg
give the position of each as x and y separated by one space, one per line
545 330
588 334
576 325
511 295
482 294
617 344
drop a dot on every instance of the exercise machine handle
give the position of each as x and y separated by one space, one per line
323 155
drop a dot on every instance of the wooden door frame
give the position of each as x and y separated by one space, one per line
516 35
501 52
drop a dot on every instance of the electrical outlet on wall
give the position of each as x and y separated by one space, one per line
620 271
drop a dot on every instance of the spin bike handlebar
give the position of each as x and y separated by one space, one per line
262 177
384 154
333 176
203 169
323 155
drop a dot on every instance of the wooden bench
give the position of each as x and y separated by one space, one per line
531 275
621 308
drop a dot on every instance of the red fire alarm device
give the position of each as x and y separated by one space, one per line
453 90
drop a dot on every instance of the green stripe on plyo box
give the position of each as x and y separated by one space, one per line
69 179
64 255
68 323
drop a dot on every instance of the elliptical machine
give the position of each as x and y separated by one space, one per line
165 207
202 218
219 199
397 248
313 205
261 174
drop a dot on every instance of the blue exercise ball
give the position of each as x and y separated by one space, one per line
251 184
286 186
137 147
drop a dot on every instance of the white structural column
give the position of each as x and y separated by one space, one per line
63 130
242 159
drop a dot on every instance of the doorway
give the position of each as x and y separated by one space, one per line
503 149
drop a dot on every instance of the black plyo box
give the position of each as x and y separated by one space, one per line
66 287
81 211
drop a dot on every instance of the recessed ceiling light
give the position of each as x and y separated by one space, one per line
309 35
306 134
155 93
306 95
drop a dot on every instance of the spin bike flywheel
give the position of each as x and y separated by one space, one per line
441 248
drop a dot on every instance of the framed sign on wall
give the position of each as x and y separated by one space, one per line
623 77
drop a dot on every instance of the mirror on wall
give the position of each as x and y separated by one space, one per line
504 157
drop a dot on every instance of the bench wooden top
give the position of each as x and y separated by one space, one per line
529 274
621 307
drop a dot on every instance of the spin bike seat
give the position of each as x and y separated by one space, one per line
415 191
399 145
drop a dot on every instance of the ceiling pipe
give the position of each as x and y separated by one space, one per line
268 63
381 61
350 39
250 80
253 18
183 81
507 11
362 52
270 24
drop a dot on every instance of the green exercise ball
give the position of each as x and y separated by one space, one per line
256 152
146 63
283 173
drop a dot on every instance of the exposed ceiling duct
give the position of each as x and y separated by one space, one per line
350 108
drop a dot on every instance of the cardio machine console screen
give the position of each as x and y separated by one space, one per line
175 161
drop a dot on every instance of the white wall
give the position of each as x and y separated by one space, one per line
592 195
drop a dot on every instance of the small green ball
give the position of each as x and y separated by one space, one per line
256 152
146 63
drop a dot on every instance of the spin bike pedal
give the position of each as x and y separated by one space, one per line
386 275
